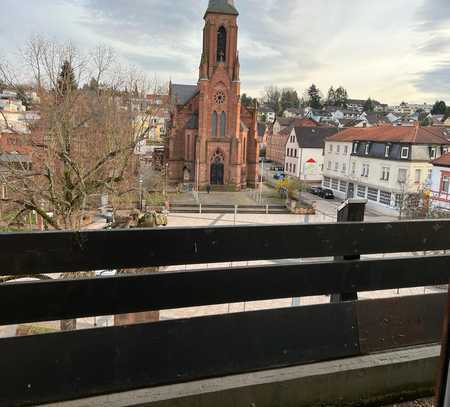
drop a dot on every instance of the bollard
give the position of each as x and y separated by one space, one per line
351 210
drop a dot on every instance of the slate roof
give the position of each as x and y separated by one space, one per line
398 134
183 93
222 7
314 137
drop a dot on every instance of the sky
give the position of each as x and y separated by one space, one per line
390 50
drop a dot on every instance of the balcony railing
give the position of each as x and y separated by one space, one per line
77 364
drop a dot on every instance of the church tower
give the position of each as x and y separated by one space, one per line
225 150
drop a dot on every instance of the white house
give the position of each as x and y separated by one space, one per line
440 182
382 164
304 152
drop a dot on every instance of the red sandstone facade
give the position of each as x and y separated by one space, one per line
213 138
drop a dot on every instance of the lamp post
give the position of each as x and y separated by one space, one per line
141 198
165 179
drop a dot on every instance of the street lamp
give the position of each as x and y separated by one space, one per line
141 197
165 179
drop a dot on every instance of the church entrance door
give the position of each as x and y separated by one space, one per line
217 170
217 173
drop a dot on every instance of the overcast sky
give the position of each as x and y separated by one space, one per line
391 50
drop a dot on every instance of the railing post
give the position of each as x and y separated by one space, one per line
200 208
352 210
267 209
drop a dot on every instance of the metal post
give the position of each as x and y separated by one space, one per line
351 210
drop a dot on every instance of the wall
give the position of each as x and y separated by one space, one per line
440 200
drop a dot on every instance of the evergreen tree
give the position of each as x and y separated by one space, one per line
289 99
314 97
66 80
439 107
341 97
424 120
331 99
248 101
369 106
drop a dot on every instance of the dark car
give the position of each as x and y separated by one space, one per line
327 194
279 176
316 190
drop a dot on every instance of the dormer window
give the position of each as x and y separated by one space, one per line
433 153
355 148
405 153
367 149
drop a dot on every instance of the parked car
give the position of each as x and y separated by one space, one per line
316 190
327 194
279 176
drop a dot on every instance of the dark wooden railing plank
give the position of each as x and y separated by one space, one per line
64 299
55 252
77 364
398 322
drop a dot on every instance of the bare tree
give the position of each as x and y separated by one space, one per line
84 142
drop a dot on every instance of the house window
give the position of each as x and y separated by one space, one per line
295 167
343 186
295 153
355 148
344 168
365 170
387 150
330 148
445 184
418 176
334 184
329 165
385 174
405 152
286 166
353 168
367 148
433 153
336 166
385 198
346 150
338 149
402 175
372 194
327 182
362 191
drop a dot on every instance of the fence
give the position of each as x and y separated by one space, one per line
71 365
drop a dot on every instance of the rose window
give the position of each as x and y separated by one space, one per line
219 97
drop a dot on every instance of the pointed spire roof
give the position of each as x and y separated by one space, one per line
222 7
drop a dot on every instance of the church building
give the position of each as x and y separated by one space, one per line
212 137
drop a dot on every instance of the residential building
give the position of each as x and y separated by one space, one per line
213 139
440 182
266 114
382 164
276 142
293 112
304 152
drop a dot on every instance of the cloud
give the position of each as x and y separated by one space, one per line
388 49
433 14
436 81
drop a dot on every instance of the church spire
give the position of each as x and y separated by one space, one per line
222 7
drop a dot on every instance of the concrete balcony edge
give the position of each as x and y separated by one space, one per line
366 380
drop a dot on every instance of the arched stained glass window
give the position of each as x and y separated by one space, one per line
223 124
221 44
214 125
